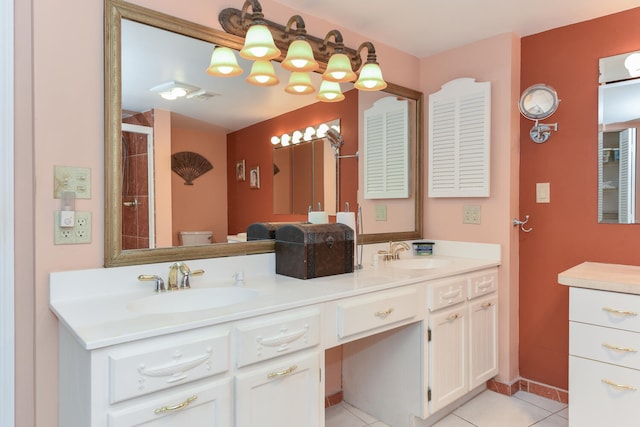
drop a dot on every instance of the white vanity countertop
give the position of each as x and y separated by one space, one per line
604 277
92 304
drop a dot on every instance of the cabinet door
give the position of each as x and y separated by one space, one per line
204 405
283 393
448 362
483 336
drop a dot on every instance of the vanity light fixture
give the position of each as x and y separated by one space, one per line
258 43
173 90
370 77
632 64
223 63
339 66
307 134
330 92
262 74
299 54
299 84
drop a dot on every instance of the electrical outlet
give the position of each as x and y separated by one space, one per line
381 212
79 233
471 214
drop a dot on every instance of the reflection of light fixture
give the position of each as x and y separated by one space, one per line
306 134
632 64
299 84
173 90
339 66
299 55
330 92
370 75
262 74
223 63
258 43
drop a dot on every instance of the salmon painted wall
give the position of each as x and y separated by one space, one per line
201 206
59 45
496 60
253 145
566 231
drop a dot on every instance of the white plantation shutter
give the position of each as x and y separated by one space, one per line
386 149
626 201
459 132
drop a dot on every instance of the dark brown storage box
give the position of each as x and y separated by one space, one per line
264 230
306 251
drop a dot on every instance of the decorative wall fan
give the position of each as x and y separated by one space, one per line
189 165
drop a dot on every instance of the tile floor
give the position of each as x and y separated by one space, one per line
488 409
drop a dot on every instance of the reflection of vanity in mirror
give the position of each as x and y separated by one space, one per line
207 122
618 123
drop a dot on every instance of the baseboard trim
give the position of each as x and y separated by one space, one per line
523 384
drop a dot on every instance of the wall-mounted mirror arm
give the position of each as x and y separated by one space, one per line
537 103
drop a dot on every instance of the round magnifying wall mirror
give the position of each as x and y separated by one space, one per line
538 102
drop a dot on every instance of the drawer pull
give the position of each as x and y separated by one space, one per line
282 373
620 312
486 305
621 349
383 314
454 316
619 386
175 408
175 370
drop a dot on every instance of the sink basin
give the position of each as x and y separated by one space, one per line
420 263
191 300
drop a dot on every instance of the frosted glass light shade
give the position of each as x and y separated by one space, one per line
339 69
258 44
300 57
632 64
330 92
370 78
262 74
223 63
299 84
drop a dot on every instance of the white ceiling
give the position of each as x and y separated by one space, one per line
426 27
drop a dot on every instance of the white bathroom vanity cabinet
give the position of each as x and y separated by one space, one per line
414 341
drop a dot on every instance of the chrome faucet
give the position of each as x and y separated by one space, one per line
176 269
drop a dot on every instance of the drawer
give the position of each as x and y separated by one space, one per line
609 309
483 284
272 336
602 394
446 293
607 345
369 312
158 365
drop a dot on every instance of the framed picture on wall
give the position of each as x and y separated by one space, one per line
254 177
240 176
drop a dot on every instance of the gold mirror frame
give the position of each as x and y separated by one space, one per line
115 256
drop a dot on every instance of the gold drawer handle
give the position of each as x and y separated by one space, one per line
454 316
486 305
175 408
622 349
619 386
282 373
383 314
620 312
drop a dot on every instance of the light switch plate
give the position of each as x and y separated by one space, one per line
471 214
543 192
381 212
67 178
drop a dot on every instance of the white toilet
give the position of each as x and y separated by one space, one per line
192 238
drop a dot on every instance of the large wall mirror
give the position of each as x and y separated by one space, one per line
618 126
222 120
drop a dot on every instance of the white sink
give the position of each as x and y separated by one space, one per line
420 263
191 300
